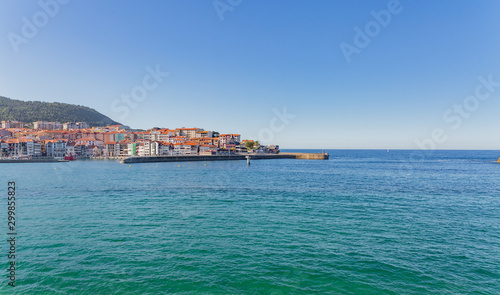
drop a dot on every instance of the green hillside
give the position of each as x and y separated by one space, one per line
31 111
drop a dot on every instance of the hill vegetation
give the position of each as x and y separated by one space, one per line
31 111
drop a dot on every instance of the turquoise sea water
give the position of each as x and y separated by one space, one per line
364 222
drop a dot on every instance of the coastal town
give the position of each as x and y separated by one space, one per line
72 140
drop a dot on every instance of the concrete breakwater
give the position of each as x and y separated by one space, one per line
49 160
201 158
309 156
131 160
102 158
304 156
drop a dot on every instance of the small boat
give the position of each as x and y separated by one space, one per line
70 157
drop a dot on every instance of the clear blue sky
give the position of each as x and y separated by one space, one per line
229 74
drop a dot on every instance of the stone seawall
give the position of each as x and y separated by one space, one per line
304 156
31 161
202 158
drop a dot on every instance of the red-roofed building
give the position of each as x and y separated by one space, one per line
55 147
207 149
90 141
204 134
111 149
188 132
231 139
185 148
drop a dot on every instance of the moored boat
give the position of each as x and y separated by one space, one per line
70 157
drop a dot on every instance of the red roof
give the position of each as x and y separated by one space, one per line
86 139
183 128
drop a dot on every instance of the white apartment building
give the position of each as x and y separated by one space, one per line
203 134
90 141
228 139
77 125
188 132
47 125
12 124
185 148
56 148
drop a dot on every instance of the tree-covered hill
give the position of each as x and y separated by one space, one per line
31 111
